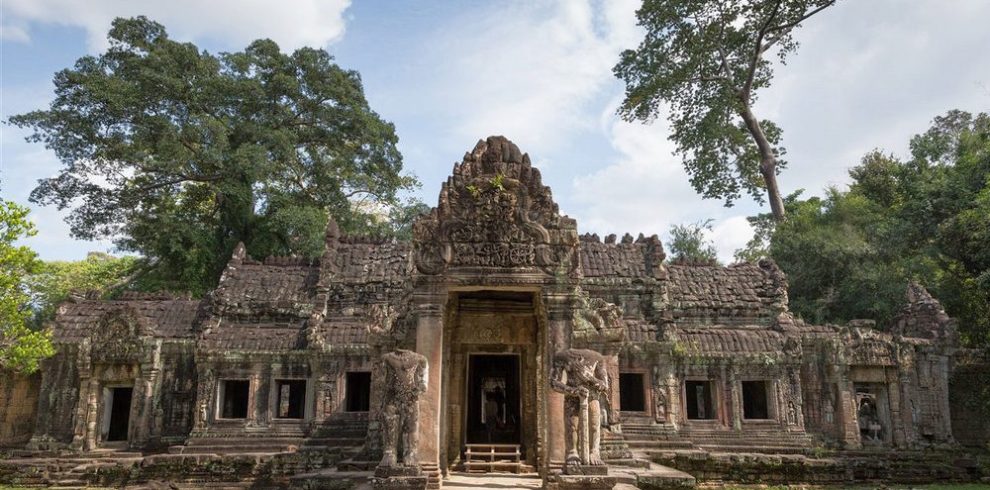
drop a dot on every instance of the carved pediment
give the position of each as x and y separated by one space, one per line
117 336
495 212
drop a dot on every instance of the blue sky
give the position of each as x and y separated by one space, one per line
868 74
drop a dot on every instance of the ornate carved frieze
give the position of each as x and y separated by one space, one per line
494 212
117 337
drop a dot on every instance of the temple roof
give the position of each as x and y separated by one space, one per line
752 340
163 318
716 294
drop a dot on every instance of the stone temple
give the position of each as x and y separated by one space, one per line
483 315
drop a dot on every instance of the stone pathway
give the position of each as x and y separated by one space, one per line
465 481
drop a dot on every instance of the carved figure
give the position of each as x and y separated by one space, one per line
659 396
204 410
581 376
405 382
791 413
829 411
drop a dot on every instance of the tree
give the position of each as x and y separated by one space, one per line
52 282
703 62
852 253
178 154
21 349
688 243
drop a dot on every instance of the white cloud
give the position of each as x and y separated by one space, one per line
646 190
233 23
872 74
868 74
529 71
729 235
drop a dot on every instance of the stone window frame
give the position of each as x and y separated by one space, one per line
773 413
717 401
221 391
307 410
645 375
371 379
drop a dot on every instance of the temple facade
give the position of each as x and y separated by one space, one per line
287 354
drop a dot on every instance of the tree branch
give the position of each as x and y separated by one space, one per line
754 60
179 180
791 25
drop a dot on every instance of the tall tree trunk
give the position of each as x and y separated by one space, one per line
768 162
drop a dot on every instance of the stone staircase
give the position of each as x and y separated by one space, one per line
238 445
767 442
645 439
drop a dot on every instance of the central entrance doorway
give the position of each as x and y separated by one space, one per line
493 415
117 413
493 381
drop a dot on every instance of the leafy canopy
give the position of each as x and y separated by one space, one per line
852 253
689 243
20 347
702 63
178 154
53 281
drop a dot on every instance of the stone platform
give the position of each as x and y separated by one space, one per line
399 478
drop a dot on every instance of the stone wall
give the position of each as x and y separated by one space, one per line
59 396
969 398
178 392
18 402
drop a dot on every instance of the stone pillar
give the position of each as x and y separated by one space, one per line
612 366
91 429
847 413
429 343
940 381
897 434
558 333
736 397
254 413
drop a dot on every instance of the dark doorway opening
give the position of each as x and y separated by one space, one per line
291 398
493 399
632 396
754 394
358 391
120 413
234 399
700 405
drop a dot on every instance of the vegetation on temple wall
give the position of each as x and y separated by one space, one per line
851 253
21 348
178 154
689 243
702 64
52 282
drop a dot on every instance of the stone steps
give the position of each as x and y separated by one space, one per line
728 448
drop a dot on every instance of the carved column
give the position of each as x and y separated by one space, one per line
559 315
735 396
429 343
91 431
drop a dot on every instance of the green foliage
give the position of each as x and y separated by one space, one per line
178 154
688 243
498 182
20 347
852 253
702 63
53 281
